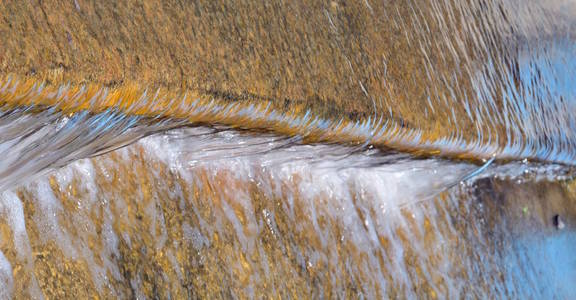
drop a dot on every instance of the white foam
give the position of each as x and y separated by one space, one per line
6 278
365 192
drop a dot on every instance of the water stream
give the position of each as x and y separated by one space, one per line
443 166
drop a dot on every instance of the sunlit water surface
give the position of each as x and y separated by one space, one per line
120 205
233 212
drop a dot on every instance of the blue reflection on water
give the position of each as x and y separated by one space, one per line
542 265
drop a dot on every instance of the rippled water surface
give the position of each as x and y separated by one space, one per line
414 149
259 213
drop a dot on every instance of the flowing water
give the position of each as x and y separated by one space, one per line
438 170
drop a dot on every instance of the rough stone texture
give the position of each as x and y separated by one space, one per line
127 225
424 64
335 57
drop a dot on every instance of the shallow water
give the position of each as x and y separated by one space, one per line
212 211
436 151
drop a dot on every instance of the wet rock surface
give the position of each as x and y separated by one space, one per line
150 220
92 206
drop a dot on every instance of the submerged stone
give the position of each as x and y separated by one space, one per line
287 149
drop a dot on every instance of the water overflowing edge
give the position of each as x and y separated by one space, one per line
197 109
331 168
